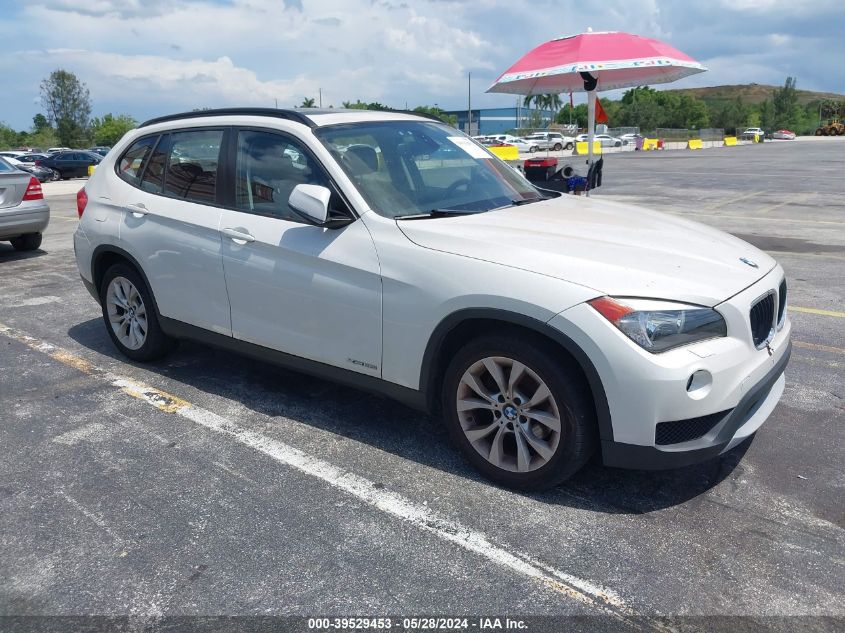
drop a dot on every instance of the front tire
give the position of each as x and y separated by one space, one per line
518 413
28 242
130 315
558 147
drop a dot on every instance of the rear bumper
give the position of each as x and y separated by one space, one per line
28 217
737 425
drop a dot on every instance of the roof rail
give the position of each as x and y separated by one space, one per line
290 115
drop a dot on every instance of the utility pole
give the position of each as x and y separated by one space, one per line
320 92
277 104
469 104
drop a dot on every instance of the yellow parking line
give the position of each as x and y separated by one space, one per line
818 348
792 200
832 313
691 215
728 201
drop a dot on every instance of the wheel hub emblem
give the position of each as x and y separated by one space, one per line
510 412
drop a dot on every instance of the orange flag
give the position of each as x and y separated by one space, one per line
601 115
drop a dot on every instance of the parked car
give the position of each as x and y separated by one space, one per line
784 135
31 159
53 150
752 132
24 214
72 164
12 153
43 174
523 145
541 327
502 138
606 140
102 150
551 140
630 138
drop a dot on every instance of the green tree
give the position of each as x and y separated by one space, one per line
39 123
360 105
8 137
67 102
451 119
308 102
579 115
767 115
784 100
110 129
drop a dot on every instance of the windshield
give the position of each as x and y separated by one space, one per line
408 168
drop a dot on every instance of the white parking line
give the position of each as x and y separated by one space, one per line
386 501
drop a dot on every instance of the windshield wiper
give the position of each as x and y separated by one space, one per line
436 213
519 203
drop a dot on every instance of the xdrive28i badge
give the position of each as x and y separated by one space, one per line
750 262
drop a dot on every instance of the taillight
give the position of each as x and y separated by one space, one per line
81 201
33 190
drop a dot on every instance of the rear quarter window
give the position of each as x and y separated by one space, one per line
132 162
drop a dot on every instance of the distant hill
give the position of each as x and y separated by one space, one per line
751 94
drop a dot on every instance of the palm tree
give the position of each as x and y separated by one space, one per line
554 104
308 102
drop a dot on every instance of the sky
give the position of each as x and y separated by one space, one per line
151 57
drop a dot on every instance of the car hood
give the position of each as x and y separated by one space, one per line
613 248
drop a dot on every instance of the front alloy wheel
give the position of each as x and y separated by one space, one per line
508 414
520 411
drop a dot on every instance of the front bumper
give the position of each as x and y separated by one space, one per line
653 419
737 425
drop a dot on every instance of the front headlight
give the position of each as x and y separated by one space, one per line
657 326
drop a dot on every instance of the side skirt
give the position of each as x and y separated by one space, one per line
410 397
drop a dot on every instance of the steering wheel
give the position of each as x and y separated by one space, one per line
451 189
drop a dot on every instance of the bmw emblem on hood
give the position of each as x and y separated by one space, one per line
751 263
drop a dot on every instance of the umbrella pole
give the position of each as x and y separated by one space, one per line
591 128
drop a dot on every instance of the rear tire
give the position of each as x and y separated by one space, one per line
558 147
28 242
130 315
519 414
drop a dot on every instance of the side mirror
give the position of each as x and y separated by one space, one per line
311 203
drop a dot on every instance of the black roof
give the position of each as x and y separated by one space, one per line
300 115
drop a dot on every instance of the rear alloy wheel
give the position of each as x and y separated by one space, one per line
28 242
558 147
130 315
518 414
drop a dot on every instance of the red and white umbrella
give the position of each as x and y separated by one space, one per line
595 61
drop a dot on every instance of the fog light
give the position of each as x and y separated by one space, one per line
699 384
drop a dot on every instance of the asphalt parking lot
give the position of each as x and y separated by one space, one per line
210 484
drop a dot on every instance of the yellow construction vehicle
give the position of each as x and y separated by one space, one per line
835 127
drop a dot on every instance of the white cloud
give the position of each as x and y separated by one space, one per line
145 57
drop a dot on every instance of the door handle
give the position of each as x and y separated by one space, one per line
238 236
138 210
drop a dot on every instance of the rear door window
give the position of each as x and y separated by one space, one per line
192 166
129 165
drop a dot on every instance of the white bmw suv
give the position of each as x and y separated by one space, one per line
391 252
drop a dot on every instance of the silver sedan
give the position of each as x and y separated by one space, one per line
24 214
